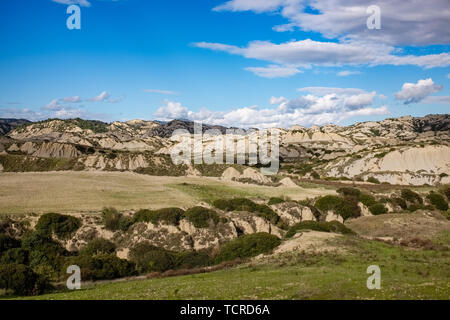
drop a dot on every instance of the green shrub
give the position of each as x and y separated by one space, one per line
332 226
275 200
149 258
201 217
399 202
243 204
315 175
348 208
438 201
327 203
7 242
373 180
102 266
62 226
378 208
114 220
167 215
345 207
191 259
21 280
15 255
348 191
411 196
247 246
446 191
98 246
367 199
44 253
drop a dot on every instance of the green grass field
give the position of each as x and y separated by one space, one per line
405 274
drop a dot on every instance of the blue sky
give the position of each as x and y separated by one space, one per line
224 62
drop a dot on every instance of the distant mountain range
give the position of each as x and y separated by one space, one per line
7 125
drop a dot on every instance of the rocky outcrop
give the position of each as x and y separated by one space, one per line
292 213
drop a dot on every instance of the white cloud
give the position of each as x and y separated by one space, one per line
306 53
274 71
437 100
73 99
161 91
83 3
360 100
103 96
275 100
172 110
346 73
415 92
24 113
309 109
402 22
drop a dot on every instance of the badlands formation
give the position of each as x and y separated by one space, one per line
401 151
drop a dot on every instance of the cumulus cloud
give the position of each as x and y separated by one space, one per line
331 107
172 110
274 71
416 92
402 22
359 100
275 100
306 53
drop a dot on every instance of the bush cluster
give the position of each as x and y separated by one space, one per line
411 196
113 220
247 246
102 266
446 191
21 280
373 180
332 226
62 226
243 204
167 215
149 258
346 207
275 200
98 246
378 208
438 201
201 217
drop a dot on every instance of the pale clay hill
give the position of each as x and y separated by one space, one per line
405 151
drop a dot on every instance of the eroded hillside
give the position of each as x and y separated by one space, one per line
404 150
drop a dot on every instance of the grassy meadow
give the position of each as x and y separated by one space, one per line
405 274
69 191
